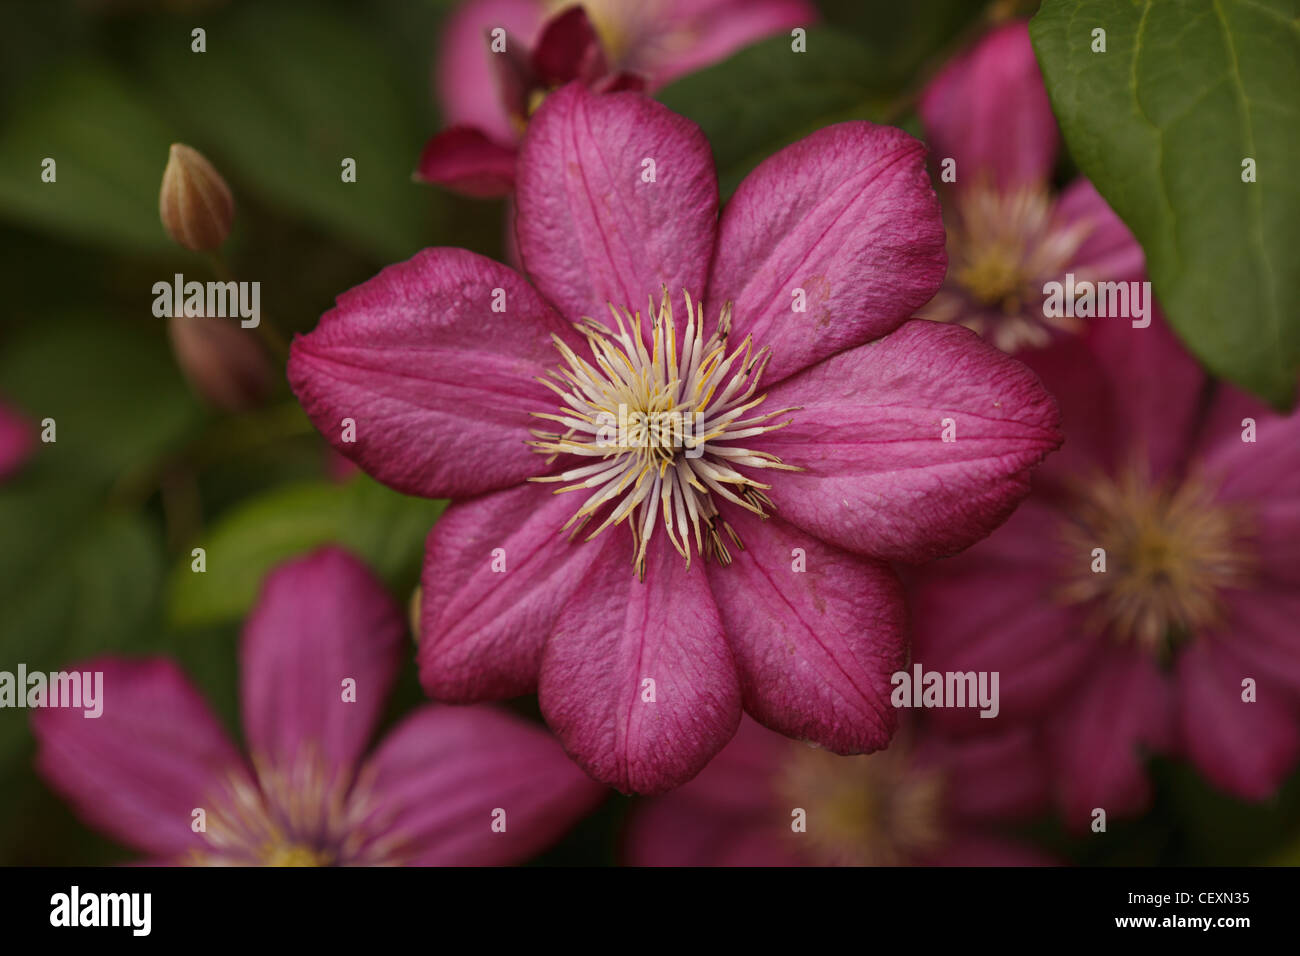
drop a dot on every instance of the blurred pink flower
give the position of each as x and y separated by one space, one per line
1200 593
17 440
643 658
487 97
425 796
924 801
1007 233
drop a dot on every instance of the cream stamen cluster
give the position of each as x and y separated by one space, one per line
299 813
1002 247
1170 551
661 419
876 810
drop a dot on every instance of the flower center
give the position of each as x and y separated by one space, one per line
298 814
1169 552
875 810
292 855
1002 246
661 422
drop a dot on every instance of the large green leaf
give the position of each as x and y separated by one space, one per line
767 96
1161 122
383 527
109 150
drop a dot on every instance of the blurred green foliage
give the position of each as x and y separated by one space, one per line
250 539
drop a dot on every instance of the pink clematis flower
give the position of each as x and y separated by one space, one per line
728 545
428 795
487 97
1008 234
1144 598
769 801
17 441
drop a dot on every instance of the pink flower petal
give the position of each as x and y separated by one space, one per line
438 781
1127 395
440 386
1089 412
717 29
620 83
1155 388
993 776
482 629
17 441
1109 253
613 637
1099 739
465 78
1245 748
878 478
963 620
726 816
1260 622
815 647
848 218
569 49
1263 474
591 230
989 110
465 160
679 832
136 772
320 620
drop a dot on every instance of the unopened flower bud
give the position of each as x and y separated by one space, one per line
194 202
223 363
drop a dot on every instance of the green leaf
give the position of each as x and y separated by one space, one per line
1161 123
767 96
384 528
109 150
282 96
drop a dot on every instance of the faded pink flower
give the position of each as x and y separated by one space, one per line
308 796
769 801
1200 592
1008 234
17 441
462 380
487 97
